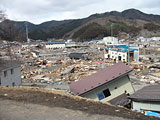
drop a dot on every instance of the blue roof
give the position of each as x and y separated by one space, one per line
123 48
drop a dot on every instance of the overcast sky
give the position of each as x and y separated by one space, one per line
38 11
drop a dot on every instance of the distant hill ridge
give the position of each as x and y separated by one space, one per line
93 27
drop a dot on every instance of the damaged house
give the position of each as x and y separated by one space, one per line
106 84
120 53
78 56
147 99
10 73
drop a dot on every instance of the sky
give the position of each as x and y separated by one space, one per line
38 11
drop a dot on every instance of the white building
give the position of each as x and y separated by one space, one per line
10 73
70 44
155 38
120 53
110 40
55 44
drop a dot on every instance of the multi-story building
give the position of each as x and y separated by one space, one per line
120 53
10 73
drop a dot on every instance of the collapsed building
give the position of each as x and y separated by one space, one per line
122 52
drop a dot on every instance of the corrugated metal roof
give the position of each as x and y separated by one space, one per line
148 93
97 79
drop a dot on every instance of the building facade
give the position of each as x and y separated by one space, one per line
55 45
10 74
120 53
110 40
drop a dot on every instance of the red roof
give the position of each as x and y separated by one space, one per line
97 79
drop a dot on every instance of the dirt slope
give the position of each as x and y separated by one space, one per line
55 99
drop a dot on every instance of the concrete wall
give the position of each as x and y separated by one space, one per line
11 79
152 106
116 87
114 55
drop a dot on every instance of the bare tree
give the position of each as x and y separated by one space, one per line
2 15
2 18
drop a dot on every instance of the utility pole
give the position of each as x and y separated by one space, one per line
128 50
111 30
28 41
112 34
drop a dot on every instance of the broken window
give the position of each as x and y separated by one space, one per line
12 71
5 73
119 57
104 94
13 84
100 95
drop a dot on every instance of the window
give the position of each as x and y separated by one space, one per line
103 94
13 84
12 71
5 73
100 95
106 93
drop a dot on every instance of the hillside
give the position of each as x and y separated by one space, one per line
130 21
29 99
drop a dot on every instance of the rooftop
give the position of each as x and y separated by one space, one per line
123 48
5 64
148 93
101 77
121 100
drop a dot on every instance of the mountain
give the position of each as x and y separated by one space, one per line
96 26
53 23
